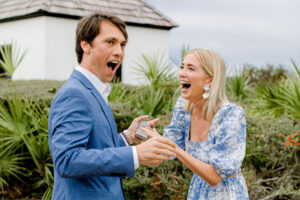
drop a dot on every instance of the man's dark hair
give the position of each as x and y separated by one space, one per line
89 27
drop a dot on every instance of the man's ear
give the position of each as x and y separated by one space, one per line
85 46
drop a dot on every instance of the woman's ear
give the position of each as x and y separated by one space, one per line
209 81
85 46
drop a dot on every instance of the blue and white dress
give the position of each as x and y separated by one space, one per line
224 150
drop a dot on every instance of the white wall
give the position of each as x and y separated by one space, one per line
51 47
60 48
50 42
142 41
29 35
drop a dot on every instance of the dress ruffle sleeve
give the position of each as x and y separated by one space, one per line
230 141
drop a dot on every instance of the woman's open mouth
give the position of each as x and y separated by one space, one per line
185 85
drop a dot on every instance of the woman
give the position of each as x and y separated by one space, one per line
210 132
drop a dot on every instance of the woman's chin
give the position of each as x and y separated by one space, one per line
185 96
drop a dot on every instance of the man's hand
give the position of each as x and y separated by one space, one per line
135 124
155 150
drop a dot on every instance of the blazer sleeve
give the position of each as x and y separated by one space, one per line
70 126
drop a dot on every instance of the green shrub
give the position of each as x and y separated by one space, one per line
170 180
154 69
23 131
278 99
11 57
271 166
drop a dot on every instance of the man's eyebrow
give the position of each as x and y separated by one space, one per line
116 39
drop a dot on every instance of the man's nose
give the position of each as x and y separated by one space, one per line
118 50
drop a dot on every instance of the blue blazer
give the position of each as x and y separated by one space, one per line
89 155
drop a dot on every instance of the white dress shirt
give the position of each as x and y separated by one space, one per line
104 90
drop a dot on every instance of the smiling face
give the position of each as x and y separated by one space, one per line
193 78
106 52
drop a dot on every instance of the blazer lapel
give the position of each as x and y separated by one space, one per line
105 108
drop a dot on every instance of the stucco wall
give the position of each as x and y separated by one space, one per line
142 41
51 41
29 35
60 57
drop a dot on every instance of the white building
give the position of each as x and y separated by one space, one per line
46 29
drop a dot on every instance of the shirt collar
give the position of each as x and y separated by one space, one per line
103 88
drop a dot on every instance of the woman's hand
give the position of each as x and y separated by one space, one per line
151 132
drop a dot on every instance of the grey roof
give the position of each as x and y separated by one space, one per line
136 12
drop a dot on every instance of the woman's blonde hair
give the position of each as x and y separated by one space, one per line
214 65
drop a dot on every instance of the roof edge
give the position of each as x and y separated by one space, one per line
41 12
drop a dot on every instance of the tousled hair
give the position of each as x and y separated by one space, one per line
214 65
88 28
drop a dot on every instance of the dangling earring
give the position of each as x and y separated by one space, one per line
206 89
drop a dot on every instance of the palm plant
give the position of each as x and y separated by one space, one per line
37 145
118 92
23 126
154 68
10 165
281 99
237 85
184 49
11 58
151 102
296 67
14 124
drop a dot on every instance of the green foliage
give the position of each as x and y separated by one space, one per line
237 87
263 75
151 102
119 92
33 89
11 57
296 67
282 98
154 68
271 165
23 129
184 49
169 181
10 166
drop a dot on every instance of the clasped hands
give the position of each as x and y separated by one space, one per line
154 150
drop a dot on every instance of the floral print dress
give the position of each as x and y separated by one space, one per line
224 149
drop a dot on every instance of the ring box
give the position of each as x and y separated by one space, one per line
140 133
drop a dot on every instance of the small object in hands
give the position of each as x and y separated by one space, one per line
140 133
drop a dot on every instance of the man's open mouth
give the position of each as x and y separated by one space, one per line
112 64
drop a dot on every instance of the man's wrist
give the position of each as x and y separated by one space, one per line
127 137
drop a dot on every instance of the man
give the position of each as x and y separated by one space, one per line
89 156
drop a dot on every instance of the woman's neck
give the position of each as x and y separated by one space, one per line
198 106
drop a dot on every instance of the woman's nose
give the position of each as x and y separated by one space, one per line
182 72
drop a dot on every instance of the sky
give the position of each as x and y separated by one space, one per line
254 32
